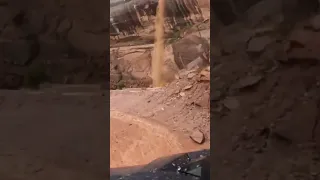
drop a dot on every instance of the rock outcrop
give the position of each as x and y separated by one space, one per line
50 34
265 93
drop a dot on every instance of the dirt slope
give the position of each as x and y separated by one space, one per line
161 118
183 104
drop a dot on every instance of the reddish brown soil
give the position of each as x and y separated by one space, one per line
147 124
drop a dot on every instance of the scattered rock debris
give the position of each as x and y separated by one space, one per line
265 98
231 103
248 81
197 136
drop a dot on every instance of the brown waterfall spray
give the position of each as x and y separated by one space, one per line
158 58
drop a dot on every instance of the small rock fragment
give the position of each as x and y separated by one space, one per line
315 22
148 115
258 44
204 75
191 75
215 96
203 101
195 64
231 103
198 137
303 56
205 72
234 39
248 81
217 109
302 37
64 26
182 94
188 87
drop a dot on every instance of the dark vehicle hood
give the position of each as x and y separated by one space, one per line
186 166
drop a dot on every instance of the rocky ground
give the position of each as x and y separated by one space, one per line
176 117
184 103
265 99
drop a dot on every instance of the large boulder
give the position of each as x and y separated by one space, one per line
189 49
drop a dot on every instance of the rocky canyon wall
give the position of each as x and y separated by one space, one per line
40 38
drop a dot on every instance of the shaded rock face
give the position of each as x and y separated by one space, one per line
53 33
266 93
189 49
254 11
